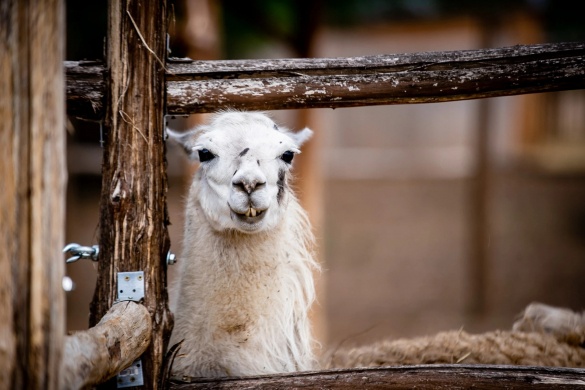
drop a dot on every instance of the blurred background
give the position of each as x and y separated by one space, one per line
429 217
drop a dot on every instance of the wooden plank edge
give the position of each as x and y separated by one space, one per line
403 377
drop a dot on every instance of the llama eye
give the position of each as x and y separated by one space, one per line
205 155
287 156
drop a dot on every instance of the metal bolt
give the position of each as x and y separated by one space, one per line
171 258
68 284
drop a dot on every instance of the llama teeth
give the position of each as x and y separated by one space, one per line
248 212
253 212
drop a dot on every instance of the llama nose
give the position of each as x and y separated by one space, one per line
248 185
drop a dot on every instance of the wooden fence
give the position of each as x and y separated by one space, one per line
130 94
207 86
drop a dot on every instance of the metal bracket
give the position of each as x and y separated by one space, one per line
130 286
131 376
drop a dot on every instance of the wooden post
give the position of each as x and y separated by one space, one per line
478 216
32 168
133 221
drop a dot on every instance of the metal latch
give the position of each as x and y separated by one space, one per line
131 286
82 252
131 376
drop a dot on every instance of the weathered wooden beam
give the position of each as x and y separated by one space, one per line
206 86
32 199
407 377
133 212
99 353
85 89
393 79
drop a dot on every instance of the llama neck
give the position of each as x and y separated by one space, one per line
243 299
288 242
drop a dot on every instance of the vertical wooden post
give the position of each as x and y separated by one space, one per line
478 266
32 198
133 221
479 215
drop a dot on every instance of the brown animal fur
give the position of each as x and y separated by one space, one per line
544 336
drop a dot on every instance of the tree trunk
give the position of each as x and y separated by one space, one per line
32 168
134 219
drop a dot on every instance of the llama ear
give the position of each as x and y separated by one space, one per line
186 140
302 136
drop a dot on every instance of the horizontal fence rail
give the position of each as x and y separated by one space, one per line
207 86
407 377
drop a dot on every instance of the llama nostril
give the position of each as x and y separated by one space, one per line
248 186
240 186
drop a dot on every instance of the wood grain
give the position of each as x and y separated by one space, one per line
430 377
207 86
32 199
98 354
133 211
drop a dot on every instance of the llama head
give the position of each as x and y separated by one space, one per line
245 159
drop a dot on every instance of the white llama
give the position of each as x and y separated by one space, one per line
245 283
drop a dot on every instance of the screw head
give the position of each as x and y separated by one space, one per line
171 258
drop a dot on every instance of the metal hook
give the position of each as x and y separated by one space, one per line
81 252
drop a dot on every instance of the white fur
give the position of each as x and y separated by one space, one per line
245 284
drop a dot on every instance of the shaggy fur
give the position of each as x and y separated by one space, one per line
246 282
498 347
564 324
543 336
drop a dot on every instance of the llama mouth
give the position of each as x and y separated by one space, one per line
252 212
252 215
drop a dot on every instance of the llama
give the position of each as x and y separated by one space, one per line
246 283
